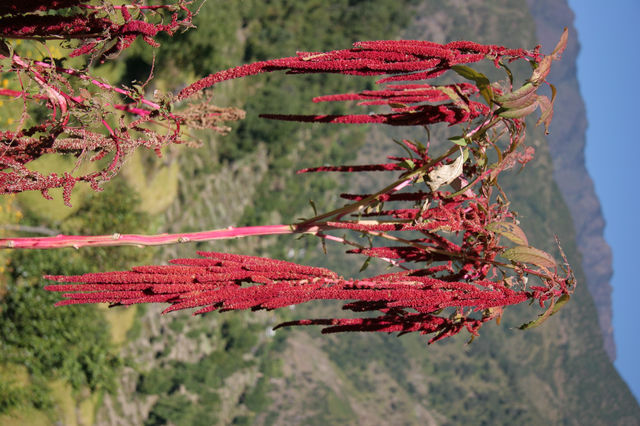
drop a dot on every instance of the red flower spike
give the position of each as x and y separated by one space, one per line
290 284
409 58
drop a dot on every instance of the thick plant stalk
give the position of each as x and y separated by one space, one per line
116 239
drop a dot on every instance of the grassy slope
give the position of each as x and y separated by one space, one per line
57 362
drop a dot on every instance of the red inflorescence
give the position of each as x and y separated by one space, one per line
403 57
408 60
261 283
26 6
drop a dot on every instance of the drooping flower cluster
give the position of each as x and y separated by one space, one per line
88 118
407 299
405 60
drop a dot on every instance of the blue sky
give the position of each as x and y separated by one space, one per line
608 66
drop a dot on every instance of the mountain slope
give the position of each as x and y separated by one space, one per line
229 369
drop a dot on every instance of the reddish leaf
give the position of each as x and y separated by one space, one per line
509 230
517 98
521 112
530 255
546 112
562 44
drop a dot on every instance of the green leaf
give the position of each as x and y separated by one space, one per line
481 158
313 206
487 93
465 155
403 146
457 100
470 74
458 140
138 88
562 300
509 230
421 148
508 71
533 324
530 255
365 265
408 164
481 80
553 308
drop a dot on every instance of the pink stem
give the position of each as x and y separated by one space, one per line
54 94
116 140
116 239
96 82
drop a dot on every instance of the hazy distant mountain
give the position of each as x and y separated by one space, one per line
567 144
